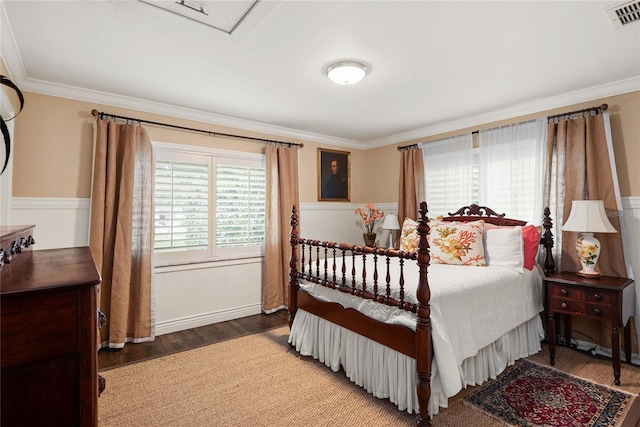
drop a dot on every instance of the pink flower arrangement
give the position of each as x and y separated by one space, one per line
369 216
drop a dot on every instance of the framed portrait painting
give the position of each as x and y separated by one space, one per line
334 175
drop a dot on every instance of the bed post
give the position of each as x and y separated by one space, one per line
293 267
423 325
547 241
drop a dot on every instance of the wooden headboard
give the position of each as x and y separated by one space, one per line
475 212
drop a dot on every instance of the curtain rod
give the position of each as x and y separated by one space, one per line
407 147
101 114
597 109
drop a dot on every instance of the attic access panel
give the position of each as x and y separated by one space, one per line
222 15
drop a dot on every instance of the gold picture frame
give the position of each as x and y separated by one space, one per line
334 175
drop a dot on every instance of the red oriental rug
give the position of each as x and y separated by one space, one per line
531 395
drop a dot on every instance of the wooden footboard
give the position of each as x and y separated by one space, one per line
317 264
315 261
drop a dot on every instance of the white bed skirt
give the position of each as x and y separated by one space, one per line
388 374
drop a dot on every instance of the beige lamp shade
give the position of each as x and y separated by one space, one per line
391 223
588 216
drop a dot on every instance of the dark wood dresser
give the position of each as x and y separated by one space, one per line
48 339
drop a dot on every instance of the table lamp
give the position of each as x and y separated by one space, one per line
588 217
391 223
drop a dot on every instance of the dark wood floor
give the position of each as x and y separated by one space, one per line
191 338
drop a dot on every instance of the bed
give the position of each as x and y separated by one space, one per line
412 332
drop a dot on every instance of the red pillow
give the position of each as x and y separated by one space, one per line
531 240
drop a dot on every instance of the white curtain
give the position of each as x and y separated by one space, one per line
448 171
620 211
511 169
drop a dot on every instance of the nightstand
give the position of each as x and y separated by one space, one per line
603 298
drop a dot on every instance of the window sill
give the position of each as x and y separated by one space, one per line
210 263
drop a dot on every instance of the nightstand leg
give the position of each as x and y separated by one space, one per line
627 342
551 338
615 347
567 330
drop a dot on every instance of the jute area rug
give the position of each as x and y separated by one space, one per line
258 380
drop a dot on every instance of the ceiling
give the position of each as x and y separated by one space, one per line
434 65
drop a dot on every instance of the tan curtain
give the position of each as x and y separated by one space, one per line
282 195
121 231
579 167
588 176
411 185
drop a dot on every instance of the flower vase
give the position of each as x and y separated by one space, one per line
369 239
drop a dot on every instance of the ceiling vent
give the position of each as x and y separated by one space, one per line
624 14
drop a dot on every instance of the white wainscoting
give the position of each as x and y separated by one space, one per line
60 222
337 222
201 294
189 296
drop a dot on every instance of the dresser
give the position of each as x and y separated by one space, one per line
14 239
48 316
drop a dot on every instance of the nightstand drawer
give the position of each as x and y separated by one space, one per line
580 308
580 294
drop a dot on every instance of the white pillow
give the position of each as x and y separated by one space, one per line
504 247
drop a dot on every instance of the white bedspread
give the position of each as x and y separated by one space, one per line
471 307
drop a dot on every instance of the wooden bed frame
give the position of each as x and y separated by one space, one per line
313 266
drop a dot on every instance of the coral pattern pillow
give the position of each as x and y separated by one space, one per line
409 237
457 243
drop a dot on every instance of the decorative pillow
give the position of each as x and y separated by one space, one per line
409 237
457 243
531 242
504 247
531 238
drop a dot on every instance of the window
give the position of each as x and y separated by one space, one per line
449 174
209 204
501 169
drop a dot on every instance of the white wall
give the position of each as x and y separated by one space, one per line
201 294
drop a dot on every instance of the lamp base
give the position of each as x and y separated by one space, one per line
588 249
589 274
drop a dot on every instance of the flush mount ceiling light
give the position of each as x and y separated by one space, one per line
346 72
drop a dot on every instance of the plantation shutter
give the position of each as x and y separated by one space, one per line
181 205
240 205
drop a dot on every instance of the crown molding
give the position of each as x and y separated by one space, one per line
137 104
9 52
12 60
529 107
